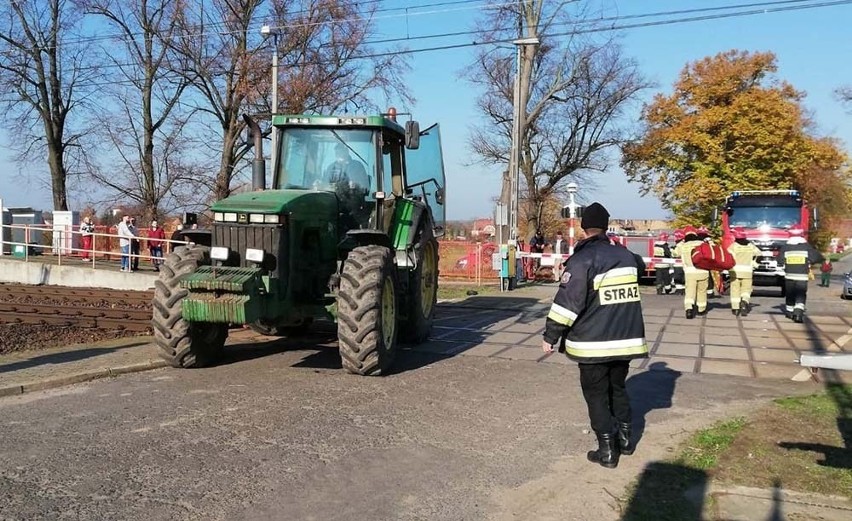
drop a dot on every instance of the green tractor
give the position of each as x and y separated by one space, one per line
348 232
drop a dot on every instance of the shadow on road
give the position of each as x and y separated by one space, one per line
458 326
841 395
667 491
649 390
64 357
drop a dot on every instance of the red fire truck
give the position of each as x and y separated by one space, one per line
766 216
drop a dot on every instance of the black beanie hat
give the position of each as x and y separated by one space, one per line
595 216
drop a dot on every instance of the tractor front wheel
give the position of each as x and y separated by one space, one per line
183 343
367 311
423 290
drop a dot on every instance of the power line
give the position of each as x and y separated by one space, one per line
255 27
765 4
780 7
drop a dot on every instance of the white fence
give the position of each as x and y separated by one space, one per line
59 248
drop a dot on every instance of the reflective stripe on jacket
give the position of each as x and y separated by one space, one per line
597 309
744 254
796 257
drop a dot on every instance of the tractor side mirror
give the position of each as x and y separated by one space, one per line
815 220
439 196
412 135
715 217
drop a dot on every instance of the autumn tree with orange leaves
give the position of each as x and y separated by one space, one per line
731 124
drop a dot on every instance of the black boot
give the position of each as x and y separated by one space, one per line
690 313
607 453
745 308
659 290
735 312
625 445
798 316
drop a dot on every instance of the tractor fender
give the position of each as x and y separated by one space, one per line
368 238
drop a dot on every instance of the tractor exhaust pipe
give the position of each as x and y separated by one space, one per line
258 166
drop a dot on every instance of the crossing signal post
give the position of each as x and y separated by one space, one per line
571 211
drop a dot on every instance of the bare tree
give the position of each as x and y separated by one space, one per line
320 45
572 93
844 94
46 82
147 126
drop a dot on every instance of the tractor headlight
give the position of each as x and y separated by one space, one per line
218 216
254 255
229 217
272 219
219 253
256 218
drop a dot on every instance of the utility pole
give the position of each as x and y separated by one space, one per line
267 31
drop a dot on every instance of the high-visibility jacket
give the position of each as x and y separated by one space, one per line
744 254
662 249
597 309
684 251
796 257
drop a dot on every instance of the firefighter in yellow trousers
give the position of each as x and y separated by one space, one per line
695 296
744 253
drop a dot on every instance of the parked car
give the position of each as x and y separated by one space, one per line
847 286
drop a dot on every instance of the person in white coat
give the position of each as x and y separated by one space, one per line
125 237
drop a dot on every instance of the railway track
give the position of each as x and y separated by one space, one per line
75 307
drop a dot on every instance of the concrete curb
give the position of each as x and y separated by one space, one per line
86 376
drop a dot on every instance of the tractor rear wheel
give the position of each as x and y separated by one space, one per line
183 343
367 311
423 290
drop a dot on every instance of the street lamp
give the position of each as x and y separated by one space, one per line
519 106
572 209
267 31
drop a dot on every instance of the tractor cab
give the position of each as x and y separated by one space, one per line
367 162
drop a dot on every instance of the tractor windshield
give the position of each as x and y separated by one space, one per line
757 216
327 159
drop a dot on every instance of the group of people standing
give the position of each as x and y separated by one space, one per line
796 258
130 242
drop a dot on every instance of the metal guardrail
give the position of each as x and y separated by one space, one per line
65 243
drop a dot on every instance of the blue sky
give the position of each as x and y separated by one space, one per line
812 46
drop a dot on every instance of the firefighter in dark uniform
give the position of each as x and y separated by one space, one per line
796 258
596 317
662 269
678 278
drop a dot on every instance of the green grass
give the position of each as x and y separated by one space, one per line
704 447
820 404
801 442
675 489
837 256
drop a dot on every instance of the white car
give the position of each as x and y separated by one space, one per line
847 286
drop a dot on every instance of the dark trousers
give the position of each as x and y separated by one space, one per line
134 250
605 393
678 277
663 277
796 294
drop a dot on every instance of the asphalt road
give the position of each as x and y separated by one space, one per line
283 434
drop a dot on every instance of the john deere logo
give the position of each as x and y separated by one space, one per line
242 218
